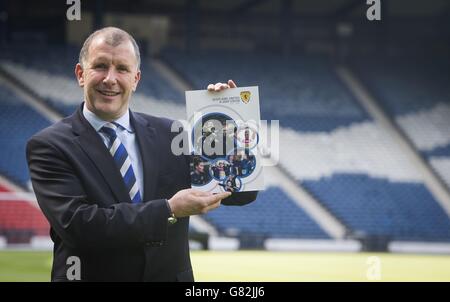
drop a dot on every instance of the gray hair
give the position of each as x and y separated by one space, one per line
113 36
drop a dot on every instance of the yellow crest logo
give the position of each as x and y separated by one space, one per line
245 96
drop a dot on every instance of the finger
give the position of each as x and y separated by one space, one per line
215 198
217 86
212 207
210 87
223 195
200 193
232 84
221 86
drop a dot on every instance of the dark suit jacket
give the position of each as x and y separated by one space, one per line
82 194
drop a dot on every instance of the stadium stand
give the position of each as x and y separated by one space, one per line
18 122
377 207
417 97
20 221
56 83
3 189
329 144
302 92
275 215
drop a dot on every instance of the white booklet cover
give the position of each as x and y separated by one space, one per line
223 140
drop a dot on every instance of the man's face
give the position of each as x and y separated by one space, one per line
200 167
109 77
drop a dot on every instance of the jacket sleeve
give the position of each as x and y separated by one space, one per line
82 223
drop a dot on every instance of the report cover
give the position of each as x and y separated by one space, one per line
223 138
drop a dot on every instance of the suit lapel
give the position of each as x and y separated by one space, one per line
93 146
146 137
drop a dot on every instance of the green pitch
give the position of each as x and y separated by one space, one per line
285 266
267 266
25 266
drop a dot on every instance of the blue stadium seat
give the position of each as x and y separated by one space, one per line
302 92
56 84
18 122
416 94
274 214
400 211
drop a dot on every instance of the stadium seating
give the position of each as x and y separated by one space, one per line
56 83
347 167
18 122
417 97
377 207
3 189
273 215
329 145
302 92
20 221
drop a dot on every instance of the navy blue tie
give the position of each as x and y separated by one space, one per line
123 161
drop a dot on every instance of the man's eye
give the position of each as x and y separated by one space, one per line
122 69
100 66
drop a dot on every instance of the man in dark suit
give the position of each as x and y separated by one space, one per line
116 196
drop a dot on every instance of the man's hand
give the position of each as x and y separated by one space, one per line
221 86
191 202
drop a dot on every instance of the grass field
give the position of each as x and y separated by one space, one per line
265 266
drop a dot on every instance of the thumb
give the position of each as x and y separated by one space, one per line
232 84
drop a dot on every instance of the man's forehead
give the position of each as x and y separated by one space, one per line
100 48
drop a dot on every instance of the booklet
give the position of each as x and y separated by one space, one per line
223 140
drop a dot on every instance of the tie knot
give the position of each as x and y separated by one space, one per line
110 130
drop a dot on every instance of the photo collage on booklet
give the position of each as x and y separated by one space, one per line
224 139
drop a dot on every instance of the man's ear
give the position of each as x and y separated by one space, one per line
137 77
79 73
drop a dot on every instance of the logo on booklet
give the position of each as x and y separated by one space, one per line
245 96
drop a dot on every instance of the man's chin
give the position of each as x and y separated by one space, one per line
108 110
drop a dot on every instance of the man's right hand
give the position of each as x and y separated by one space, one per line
192 202
221 86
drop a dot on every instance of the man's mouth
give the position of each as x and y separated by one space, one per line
108 93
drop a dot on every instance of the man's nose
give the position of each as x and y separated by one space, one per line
111 77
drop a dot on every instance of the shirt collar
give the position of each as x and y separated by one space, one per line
97 123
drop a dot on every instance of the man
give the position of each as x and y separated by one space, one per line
230 184
115 195
199 176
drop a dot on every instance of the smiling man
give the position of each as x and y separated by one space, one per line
117 199
109 71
